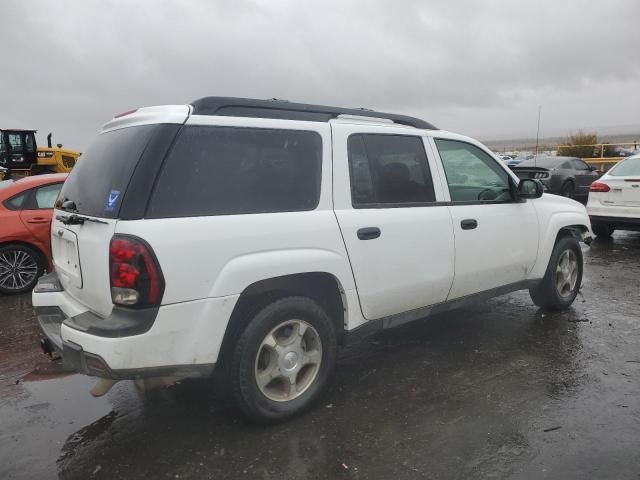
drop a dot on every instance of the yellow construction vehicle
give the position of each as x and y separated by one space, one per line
20 156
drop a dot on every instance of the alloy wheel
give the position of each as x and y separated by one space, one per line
288 360
17 269
567 273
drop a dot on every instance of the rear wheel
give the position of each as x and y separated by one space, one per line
20 267
568 190
561 283
602 229
283 359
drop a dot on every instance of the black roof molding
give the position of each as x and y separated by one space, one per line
283 109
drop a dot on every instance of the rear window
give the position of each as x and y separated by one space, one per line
229 170
98 182
625 168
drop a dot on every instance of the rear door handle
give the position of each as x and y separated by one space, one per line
469 224
38 220
368 233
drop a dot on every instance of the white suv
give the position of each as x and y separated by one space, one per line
257 236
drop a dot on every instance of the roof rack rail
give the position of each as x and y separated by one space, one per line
286 110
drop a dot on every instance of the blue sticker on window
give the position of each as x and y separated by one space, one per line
112 200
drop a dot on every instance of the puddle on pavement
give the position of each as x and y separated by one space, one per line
37 417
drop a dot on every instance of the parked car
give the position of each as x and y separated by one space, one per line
614 200
567 176
26 206
256 237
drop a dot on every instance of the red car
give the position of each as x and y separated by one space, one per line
26 206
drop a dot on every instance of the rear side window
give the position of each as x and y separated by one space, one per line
98 182
387 170
230 170
16 202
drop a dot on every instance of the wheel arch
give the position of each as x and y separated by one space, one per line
325 288
559 226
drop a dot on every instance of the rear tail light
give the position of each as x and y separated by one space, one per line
599 187
136 278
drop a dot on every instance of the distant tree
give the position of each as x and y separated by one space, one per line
579 144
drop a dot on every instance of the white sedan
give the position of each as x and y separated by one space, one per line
614 200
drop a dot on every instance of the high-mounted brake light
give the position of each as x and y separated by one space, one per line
128 112
599 187
136 278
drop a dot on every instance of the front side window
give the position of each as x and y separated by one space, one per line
232 170
15 141
472 174
388 169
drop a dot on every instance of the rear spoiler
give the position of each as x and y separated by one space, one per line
518 168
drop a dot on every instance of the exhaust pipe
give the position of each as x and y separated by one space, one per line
49 144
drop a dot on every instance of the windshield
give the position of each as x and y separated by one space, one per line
97 184
630 166
545 162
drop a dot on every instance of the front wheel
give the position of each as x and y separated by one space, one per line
283 359
561 283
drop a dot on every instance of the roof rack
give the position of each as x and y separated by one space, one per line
283 109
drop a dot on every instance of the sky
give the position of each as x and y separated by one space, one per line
476 67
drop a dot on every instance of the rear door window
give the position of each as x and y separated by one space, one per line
230 170
98 182
388 170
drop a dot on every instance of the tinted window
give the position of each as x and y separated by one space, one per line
630 166
388 169
472 174
97 183
45 197
566 166
226 170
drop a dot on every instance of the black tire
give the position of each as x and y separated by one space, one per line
568 189
546 294
252 401
7 253
602 230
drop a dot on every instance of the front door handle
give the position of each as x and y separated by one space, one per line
469 224
368 233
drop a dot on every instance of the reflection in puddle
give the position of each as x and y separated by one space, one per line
32 431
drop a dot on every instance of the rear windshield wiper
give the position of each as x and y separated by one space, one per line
78 219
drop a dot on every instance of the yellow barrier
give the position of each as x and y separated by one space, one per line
603 155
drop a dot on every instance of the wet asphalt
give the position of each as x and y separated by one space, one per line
497 390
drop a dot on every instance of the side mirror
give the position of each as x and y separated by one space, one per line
530 188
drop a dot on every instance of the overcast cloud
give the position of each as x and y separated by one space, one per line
475 67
